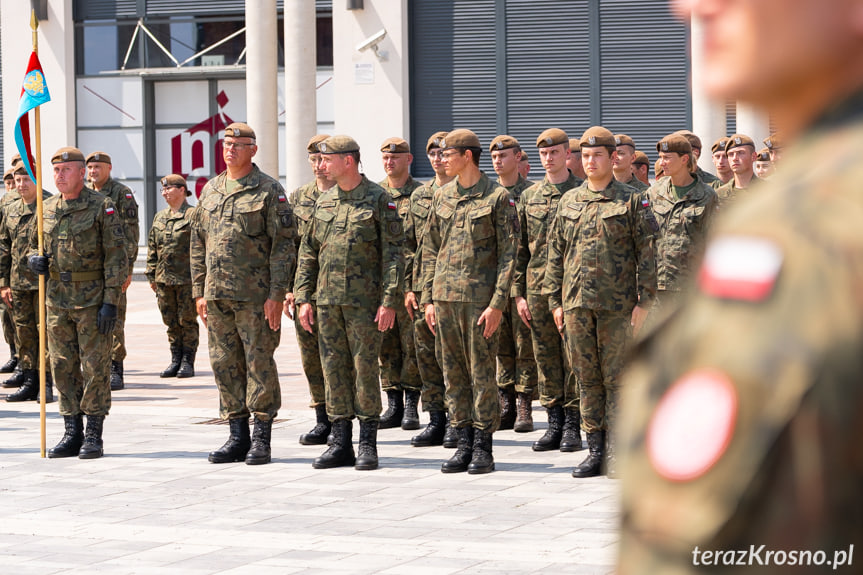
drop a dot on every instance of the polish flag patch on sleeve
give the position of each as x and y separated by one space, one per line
109 211
282 198
129 195
391 205
512 202
742 268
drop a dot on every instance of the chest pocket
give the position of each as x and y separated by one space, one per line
250 215
614 220
77 232
482 222
692 216
304 211
362 224
537 210
181 226
323 219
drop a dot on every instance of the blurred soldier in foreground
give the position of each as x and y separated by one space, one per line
744 411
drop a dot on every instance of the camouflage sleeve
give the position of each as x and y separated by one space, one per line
115 264
152 253
553 284
519 278
508 228
392 252
644 225
430 248
5 254
198 248
292 200
128 207
411 245
307 266
282 229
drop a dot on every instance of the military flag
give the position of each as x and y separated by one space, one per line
34 93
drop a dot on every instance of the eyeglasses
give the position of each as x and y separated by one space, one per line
236 145
315 159
449 154
435 154
171 187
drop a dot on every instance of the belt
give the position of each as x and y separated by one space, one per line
77 276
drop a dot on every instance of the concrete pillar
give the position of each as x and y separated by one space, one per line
300 93
262 108
708 116
754 123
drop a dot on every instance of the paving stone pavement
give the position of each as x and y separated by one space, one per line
153 504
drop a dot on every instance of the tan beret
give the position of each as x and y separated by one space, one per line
20 170
312 146
738 140
503 142
461 139
597 137
99 157
67 154
763 156
719 144
240 130
16 159
396 146
641 158
338 145
774 141
677 143
623 140
524 157
551 137
574 145
694 140
435 140
10 173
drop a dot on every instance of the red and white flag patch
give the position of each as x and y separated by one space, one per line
129 195
512 202
109 211
692 425
282 198
391 205
741 268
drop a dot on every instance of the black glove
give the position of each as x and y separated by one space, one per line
106 318
39 264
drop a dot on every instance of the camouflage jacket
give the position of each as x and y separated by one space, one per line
421 201
517 189
17 231
600 250
470 245
539 205
352 253
402 198
728 193
706 177
302 201
636 183
83 237
757 379
127 208
168 246
242 245
683 225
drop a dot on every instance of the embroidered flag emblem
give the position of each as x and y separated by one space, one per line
391 205
282 198
741 268
109 211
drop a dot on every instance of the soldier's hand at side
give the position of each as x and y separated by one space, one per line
307 317
430 318
289 305
273 313
411 303
557 314
491 318
38 264
127 283
153 286
106 318
385 318
639 314
523 312
6 294
201 307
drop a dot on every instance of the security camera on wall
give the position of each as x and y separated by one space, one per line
372 43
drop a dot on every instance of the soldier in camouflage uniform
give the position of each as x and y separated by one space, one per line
437 432
695 142
741 153
19 286
641 167
775 145
170 276
740 437
600 281
352 259
763 166
400 377
623 164
720 162
242 258
516 367
6 320
303 203
85 261
468 260
524 165
574 164
557 385
99 174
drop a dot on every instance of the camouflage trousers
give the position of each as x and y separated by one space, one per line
80 360
8 323
310 356
598 340
557 382
241 346
350 344
467 360
515 362
118 346
430 372
25 312
398 355
178 313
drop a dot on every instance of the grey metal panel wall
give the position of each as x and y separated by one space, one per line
109 9
104 9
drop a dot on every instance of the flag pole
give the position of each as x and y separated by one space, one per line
34 25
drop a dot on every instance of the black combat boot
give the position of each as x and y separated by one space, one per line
176 358
70 444
49 388
117 375
592 465
507 407
551 439
238 444
92 447
29 389
481 460
450 437
411 416
571 439
367 450
524 417
433 433
341 452
392 417
318 434
460 460
12 363
187 364
259 454
16 379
